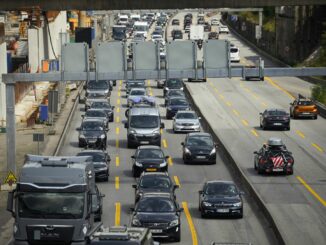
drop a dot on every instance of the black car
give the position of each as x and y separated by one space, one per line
275 118
173 83
220 198
101 161
134 84
154 182
92 133
92 97
105 106
97 203
175 22
149 158
96 114
160 213
173 93
199 148
176 34
175 104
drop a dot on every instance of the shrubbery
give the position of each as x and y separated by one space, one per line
318 92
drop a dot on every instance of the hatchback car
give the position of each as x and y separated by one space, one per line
234 54
101 162
134 84
186 121
92 133
215 22
275 118
135 92
160 213
175 22
303 107
176 104
97 114
149 158
105 106
93 97
172 84
224 29
199 148
220 198
173 93
154 182
100 87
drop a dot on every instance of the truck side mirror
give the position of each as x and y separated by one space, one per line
126 124
10 203
162 125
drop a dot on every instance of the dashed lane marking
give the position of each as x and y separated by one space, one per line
118 109
245 122
254 132
117 143
117 130
117 161
235 112
279 87
300 134
317 147
165 144
319 198
117 119
117 182
170 162
228 103
176 181
117 213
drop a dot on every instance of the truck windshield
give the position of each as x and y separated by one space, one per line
144 121
51 205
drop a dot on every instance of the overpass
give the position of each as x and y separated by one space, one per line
148 4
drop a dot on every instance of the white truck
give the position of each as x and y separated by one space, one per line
196 32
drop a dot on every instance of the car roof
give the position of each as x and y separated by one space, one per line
101 101
142 89
184 111
199 134
220 181
93 120
157 194
275 109
144 111
149 147
163 174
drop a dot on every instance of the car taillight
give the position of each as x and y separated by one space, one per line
296 108
290 161
262 161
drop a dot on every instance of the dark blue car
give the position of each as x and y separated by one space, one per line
175 104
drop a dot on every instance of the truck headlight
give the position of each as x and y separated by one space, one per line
174 222
156 131
102 169
181 88
132 131
84 230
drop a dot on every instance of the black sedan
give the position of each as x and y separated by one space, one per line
92 133
275 118
176 104
149 158
173 93
220 198
101 161
105 106
175 22
173 84
154 182
199 148
160 213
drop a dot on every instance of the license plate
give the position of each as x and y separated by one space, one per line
144 142
306 113
278 170
278 124
151 169
200 157
223 210
156 231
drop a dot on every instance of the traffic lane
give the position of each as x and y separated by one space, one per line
192 178
279 193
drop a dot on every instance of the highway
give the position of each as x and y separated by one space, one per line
297 203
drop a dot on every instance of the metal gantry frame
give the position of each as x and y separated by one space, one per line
216 64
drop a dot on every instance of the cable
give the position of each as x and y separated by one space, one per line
48 28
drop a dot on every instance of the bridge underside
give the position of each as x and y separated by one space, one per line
147 4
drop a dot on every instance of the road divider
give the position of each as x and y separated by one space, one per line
319 198
190 224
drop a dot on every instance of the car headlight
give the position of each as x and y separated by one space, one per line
138 164
166 88
82 136
102 136
237 204
132 131
181 88
136 222
187 151
207 204
213 151
163 164
156 131
174 222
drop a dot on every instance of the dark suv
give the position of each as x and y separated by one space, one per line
92 133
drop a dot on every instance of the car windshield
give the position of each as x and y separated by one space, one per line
305 102
221 189
51 205
174 83
92 126
144 121
150 153
98 84
155 182
178 101
136 85
97 157
186 115
95 113
175 93
95 96
200 141
101 105
276 113
154 204
137 92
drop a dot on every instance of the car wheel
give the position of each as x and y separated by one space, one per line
177 237
112 119
240 215
260 170
255 166
290 173
202 214
315 117
129 145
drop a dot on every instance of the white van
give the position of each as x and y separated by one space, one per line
123 20
234 54
141 27
135 17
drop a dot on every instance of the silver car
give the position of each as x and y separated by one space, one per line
135 92
186 121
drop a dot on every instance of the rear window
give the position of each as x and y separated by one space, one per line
234 50
277 113
305 102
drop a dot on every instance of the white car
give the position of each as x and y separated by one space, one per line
158 38
224 29
234 54
215 22
186 121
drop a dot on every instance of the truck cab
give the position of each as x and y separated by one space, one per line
54 201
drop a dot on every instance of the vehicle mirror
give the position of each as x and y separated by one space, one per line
167 157
180 210
126 125
133 157
175 187
10 203
291 103
78 129
162 125
102 195
260 113
255 152
182 143
134 186
242 192
132 209
199 118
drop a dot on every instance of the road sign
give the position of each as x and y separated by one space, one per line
10 179
38 137
258 32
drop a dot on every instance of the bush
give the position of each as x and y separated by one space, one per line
318 92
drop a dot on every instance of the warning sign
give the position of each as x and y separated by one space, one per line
10 179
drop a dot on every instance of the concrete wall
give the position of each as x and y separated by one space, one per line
3 69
